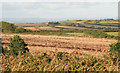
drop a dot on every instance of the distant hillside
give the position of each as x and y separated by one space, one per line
29 20
94 24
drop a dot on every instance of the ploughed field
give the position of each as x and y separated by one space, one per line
66 44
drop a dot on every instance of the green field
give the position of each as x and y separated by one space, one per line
76 34
112 33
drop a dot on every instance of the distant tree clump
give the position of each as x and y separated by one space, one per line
20 30
54 23
7 27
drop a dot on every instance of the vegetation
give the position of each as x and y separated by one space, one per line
16 56
84 32
20 30
53 23
96 33
6 25
112 33
52 63
115 49
58 61
93 24
76 34
17 47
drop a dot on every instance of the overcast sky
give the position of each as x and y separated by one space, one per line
67 10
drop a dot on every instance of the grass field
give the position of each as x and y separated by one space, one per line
76 34
40 28
112 33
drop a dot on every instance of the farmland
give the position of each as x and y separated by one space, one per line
63 45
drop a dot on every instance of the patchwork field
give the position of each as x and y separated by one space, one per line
83 45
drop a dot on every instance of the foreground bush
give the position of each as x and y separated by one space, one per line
115 47
17 46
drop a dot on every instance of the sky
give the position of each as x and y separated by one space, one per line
59 0
59 10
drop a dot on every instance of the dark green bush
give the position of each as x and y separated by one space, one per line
59 55
17 46
5 51
20 30
54 23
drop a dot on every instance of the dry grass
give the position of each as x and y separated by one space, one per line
32 24
31 28
41 28
47 28
84 45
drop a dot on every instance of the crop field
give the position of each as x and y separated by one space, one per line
41 28
90 46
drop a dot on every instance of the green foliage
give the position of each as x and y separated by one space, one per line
51 63
115 49
20 30
110 30
8 27
54 23
59 55
96 33
112 33
5 51
17 46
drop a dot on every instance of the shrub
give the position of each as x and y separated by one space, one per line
115 48
54 23
20 30
5 50
59 55
17 46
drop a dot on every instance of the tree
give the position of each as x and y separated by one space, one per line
17 46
